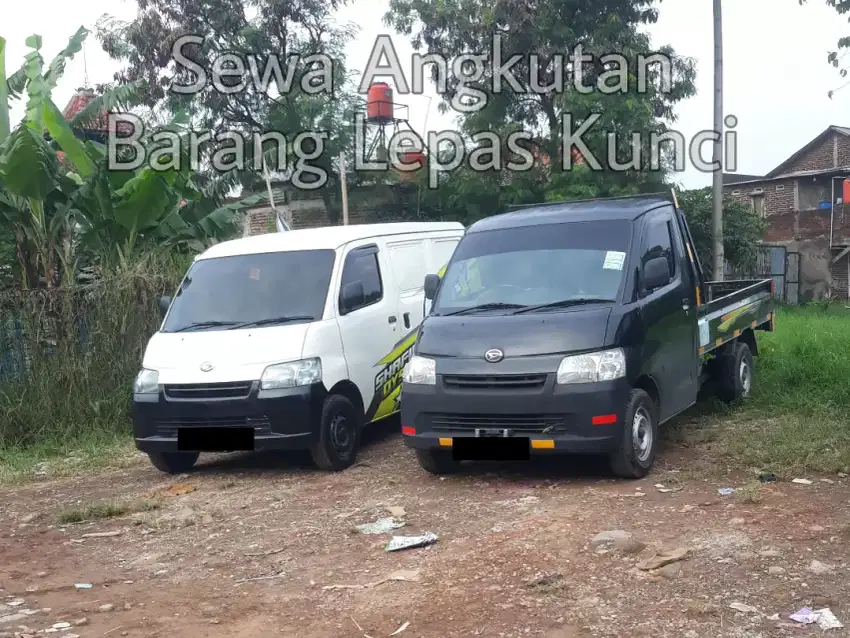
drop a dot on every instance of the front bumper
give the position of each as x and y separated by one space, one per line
281 419
578 418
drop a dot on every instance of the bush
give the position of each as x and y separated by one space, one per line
67 356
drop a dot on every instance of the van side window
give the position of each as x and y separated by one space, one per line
362 265
657 243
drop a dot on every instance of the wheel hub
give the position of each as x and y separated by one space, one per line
642 434
746 377
342 436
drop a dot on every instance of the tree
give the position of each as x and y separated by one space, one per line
743 229
835 57
256 36
546 28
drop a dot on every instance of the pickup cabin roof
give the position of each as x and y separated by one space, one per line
326 237
627 208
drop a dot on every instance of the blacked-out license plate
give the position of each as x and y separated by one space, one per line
487 448
214 439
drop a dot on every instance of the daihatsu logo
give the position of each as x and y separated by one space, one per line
206 366
494 356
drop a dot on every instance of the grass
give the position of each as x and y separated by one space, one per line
105 510
796 421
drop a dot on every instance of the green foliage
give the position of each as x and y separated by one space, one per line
743 229
842 7
795 421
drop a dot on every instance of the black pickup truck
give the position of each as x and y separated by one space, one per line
577 328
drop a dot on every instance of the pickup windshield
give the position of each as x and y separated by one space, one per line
259 290
531 269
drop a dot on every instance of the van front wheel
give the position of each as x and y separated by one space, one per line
635 453
173 462
339 435
437 461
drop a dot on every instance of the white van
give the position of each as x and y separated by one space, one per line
288 340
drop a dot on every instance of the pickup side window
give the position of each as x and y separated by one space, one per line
657 242
361 265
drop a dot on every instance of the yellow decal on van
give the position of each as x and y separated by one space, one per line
388 381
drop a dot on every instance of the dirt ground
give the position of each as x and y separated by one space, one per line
261 544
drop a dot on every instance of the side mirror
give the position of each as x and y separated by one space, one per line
656 273
432 282
352 296
164 303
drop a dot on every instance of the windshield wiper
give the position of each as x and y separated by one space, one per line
564 303
204 324
270 320
484 306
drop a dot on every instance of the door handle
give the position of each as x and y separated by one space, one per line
392 319
406 319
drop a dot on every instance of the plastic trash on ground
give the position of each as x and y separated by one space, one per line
381 526
407 542
823 618
725 491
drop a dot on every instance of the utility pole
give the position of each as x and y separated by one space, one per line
344 188
717 182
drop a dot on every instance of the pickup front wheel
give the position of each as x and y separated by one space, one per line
636 451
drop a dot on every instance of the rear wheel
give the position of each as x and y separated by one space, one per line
437 461
339 434
636 451
173 462
735 373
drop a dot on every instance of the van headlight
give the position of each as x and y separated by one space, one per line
591 367
420 370
291 374
146 382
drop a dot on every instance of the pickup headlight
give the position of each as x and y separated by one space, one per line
420 370
591 367
146 382
291 374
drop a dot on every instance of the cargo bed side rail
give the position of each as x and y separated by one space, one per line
725 318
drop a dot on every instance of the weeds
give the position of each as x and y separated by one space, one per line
105 510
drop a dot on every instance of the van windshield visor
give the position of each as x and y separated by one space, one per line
252 291
542 268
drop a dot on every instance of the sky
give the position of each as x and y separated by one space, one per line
776 75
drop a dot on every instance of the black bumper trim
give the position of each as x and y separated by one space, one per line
281 419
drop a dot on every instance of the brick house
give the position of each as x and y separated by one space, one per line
804 200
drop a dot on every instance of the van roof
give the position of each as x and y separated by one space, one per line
628 208
327 237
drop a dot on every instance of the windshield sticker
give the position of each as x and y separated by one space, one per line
614 260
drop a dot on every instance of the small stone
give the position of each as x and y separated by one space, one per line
32 588
775 570
737 521
41 574
769 553
817 567
816 528
29 518
105 608
608 538
127 606
629 545
670 571
80 622
691 634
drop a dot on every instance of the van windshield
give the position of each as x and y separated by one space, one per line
536 268
246 291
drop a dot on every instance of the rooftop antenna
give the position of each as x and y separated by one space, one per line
85 68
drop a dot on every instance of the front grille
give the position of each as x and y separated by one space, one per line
199 391
518 422
168 427
495 382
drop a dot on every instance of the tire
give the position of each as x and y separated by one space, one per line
638 445
437 462
735 373
173 462
339 434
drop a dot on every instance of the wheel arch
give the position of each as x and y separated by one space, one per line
347 389
646 383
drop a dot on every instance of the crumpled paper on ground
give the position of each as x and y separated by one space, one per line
381 526
824 618
406 542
